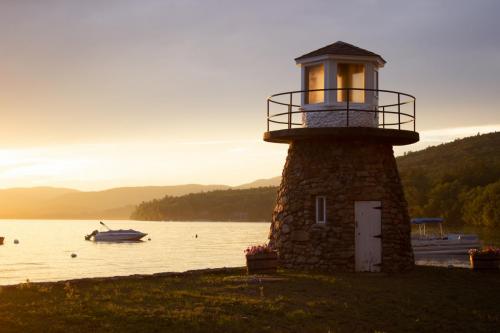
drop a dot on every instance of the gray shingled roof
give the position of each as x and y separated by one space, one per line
340 48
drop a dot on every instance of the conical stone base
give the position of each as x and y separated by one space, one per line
344 172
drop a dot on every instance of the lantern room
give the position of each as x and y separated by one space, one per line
335 76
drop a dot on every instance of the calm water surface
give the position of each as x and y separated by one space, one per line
45 248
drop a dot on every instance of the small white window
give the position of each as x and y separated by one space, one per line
320 209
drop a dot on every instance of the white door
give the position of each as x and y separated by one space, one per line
368 238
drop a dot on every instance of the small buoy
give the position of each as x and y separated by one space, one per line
73 255
16 241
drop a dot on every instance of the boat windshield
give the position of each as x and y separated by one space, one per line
422 221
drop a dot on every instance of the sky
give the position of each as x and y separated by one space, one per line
104 93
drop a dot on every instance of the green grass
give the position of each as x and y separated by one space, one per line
425 300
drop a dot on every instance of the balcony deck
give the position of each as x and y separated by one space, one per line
391 136
390 120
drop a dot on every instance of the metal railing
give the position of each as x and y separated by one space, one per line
397 110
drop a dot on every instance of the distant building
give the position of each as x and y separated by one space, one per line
341 205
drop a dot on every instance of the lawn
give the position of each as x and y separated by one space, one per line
429 299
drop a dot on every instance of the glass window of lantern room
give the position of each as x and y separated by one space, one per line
321 209
315 79
351 76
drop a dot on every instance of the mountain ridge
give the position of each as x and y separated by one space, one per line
62 203
433 178
49 202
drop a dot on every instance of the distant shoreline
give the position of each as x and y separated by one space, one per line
191 272
148 221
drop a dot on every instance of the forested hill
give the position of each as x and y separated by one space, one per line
255 204
459 181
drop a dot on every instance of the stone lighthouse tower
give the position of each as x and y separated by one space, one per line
341 205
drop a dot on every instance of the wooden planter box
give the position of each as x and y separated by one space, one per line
485 262
263 263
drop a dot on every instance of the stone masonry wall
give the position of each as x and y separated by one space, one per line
344 172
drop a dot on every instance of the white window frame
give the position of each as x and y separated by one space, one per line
306 82
318 198
365 68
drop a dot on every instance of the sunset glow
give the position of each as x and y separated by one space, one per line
274 166
95 95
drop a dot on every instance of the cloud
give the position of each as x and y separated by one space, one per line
449 134
438 136
219 142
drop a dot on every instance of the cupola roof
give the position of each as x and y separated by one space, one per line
341 48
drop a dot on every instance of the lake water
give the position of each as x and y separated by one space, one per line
45 248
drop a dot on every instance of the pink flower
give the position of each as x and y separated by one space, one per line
258 249
487 251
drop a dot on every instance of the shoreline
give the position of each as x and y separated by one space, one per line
190 272
101 219
202 271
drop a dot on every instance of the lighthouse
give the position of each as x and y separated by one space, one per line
340 205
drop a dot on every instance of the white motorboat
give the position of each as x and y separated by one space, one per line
432 244
120 235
